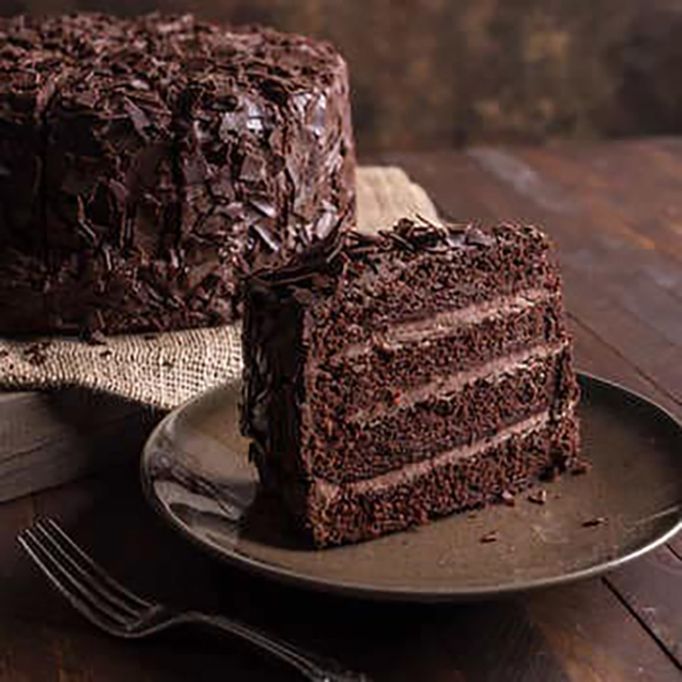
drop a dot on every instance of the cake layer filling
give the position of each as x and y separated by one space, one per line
412 288
408 472
461 409
496 370
441 324
415 353
453 481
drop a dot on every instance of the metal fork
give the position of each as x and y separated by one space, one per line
113 608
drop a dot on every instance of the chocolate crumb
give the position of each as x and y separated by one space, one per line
549 475
596 521
381 345
105 353
492 536
582 466
96 338
149 337
4 353
477 238
538 497
321 281
508 498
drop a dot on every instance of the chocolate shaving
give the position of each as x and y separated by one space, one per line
138 118
538 497
428 222
382 346
580 467
399 240
188 144
268 239
96 338
363 238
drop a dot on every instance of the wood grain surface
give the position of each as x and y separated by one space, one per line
49 438
615 211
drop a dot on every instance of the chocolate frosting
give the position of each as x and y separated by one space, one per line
146 165
355 253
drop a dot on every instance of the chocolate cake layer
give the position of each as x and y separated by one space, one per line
459 409
401 377
166 158
415 353
454 481
425 276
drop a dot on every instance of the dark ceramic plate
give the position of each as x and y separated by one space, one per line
197 475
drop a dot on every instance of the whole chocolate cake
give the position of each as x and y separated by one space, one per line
146 164
407 376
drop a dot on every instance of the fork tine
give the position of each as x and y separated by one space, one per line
70 589
90 565
98 582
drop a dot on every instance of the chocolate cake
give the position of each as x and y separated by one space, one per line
146 164
406 376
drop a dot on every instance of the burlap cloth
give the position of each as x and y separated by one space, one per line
165 370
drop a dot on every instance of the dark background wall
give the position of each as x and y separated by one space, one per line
432 72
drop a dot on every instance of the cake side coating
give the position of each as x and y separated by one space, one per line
169 157
404 363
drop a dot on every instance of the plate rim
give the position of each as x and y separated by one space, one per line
399 593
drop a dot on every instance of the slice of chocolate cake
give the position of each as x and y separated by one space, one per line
408 376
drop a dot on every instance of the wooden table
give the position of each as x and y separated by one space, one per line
615 211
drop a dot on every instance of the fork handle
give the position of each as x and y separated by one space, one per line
313 667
